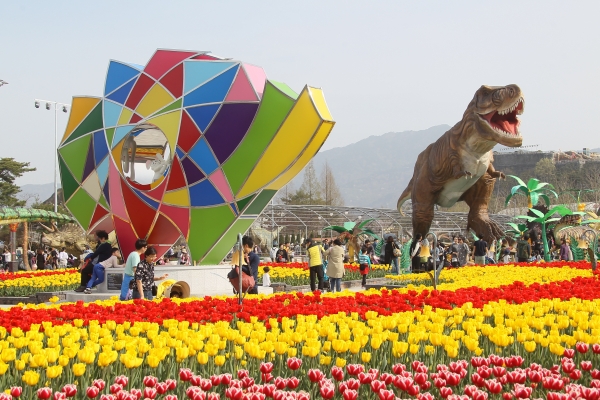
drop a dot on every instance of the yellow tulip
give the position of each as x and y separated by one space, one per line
340 362
219 360
202 358
365 357
54 371
78 369
31 378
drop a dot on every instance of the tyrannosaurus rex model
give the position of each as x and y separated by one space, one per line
458 166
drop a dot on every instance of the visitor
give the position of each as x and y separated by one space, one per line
536 256
480 249
326 244
252 260
391 254
144 276
87 250
376 251
292 253
7 257
62 258
184 259
370 249
335 265
490 257
281 255
365 264
40 260
287 249
463 251
133 259
564 250
415 252
315 254
273 253
102 253
54 254
523 248
98 272
266 278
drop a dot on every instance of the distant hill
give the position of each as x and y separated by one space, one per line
37 192
374 171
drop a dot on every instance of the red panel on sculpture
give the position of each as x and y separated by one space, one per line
99 213
180 216
188 132
126 236
176 179
164 60
164 232
140 213
173 81
141 87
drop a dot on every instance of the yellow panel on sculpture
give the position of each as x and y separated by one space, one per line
125 116
154 100
117 155
80 108
312 149
321 104
169 124
290 141
179 197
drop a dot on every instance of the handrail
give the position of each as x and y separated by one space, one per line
241 263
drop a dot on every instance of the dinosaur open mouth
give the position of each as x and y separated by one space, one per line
506 121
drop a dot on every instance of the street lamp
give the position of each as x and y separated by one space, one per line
3 82
64 109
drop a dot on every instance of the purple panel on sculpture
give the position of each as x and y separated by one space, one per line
229 127
192 173
105 190
89 162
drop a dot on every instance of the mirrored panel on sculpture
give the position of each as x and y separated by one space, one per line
146 154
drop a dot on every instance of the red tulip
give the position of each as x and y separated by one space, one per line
596 348
15 391
92 392
353 384
294 363
440 383
107 397
496 360
195 380
568 367
44 393
174 397
256 396
386 394
162 387
398 368
171 384
402 382
269 389
516 376
355 369
420 378
387 378
4 396
302 396
226 379
122 380
522 391
280 383
499 371
215 380
425 386
337 373
595 383
315 375
514 361
150 392
575 374
445 392
292 382
185 374
115 388
136 392
479 361
266 367
415 364
365 379
59 396
413 390
569 353
206 384
484 371
493 386
350 394
243 373
480 395
557 396
247 382
377 386
327 391
507 396
582 347
534 376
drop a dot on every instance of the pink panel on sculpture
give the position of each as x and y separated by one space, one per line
106 224
179 215
241 90
117 204
257 77
218 179
125 235
164 60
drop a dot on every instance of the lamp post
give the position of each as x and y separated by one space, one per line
64 109
3 82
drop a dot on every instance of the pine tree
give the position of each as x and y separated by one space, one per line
311 186
331 193
9 171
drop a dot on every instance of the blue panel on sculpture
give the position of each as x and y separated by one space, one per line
102 170
100 147
137 66
112 111
121 94
204 194
203 156
203 115
213 91
198 72
179 152
152 203
117 75
120 133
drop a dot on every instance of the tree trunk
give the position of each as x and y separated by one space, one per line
545 240
26 245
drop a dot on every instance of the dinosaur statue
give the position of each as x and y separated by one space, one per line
458 166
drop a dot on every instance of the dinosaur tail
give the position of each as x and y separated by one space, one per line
404 196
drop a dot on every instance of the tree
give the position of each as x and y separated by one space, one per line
311 185
545 169
534 190
331 192
9 171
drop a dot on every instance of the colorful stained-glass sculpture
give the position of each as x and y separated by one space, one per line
191 146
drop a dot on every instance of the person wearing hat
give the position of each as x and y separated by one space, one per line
184 259
315 262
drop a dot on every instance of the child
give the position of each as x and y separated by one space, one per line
98 273
365 264
266 278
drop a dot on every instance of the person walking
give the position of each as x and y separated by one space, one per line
480 248
144 276
391 254
365 264
62 258
523 249
315 254
564 250
463 251
133 259
252 260
335 265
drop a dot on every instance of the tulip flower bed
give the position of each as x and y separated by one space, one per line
521 332
27 283
297 274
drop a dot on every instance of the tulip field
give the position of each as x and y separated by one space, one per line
494 332
296 273
26 283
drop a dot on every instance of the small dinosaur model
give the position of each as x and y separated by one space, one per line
458 166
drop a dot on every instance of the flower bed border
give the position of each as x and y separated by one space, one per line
38 298
344 285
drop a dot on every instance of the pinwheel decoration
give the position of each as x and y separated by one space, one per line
190 145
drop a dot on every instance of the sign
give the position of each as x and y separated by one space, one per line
114 281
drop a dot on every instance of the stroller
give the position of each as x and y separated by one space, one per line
326 283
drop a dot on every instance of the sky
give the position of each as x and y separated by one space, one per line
384 66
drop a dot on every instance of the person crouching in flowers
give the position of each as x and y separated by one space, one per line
365 264
144 276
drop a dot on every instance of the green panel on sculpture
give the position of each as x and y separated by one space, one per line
261 201
75 155
244 202
82 207
69 184
110 132
215 256
92 122
103 202
212 222
285 89
273 109
174 105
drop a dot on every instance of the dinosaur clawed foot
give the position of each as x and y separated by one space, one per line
482 224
